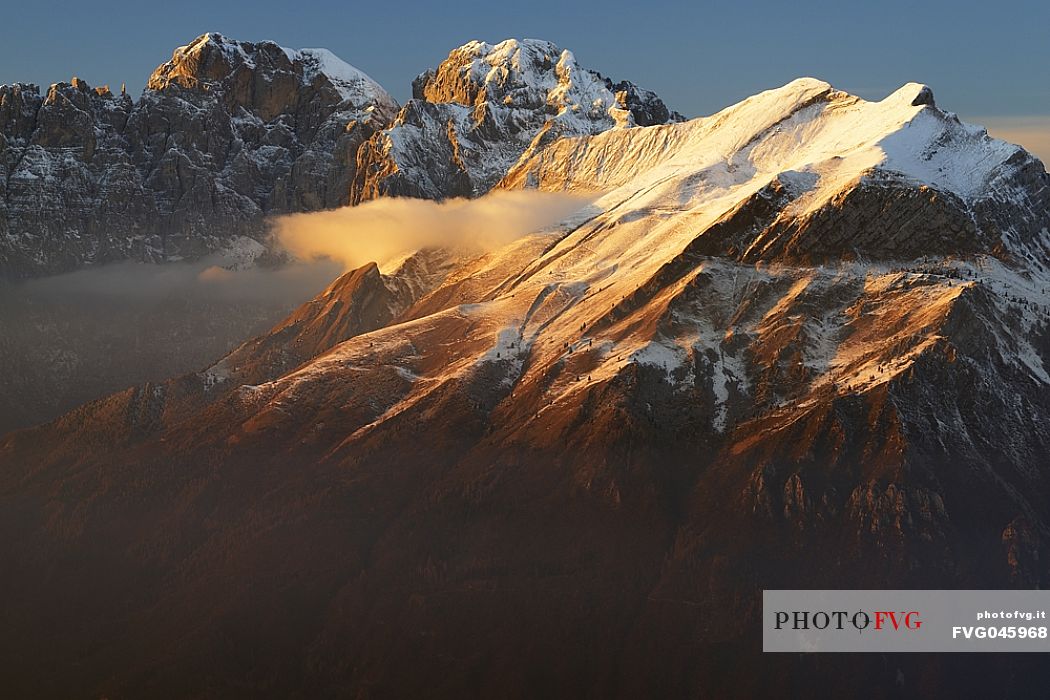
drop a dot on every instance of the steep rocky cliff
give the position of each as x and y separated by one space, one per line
225 133
474 116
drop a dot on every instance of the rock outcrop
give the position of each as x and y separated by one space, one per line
486 105
225 133
357 302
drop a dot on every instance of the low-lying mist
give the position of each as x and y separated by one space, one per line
75 337
383 230
210 279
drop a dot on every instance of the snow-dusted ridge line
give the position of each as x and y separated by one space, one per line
805 126
351 82
474 116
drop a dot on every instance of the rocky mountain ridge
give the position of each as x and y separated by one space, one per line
228 133
485 107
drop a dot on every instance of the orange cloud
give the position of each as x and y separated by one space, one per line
383 229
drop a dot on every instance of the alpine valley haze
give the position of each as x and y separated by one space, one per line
615 372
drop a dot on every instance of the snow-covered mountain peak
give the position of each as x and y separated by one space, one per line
920 94
507 72
809 126
485 106
208 58
805 172
534 74
212 58
805 126
519 54
351 82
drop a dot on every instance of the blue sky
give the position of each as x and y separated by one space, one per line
983 60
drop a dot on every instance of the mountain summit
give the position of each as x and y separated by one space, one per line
225 133
473 117
265 78
813 173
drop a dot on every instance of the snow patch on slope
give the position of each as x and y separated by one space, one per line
352 83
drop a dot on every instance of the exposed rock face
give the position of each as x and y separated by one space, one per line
880 218
471 119
225 133
359 301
